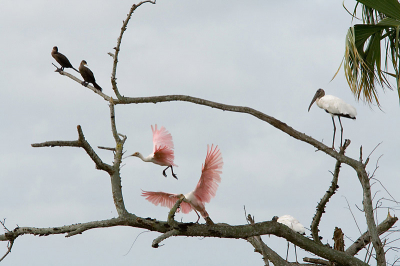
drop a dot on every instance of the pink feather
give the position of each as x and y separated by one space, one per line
207 186
205 190
166 200
163 147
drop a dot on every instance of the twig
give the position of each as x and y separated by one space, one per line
366 161
365 238
376 166
9 247
135 242
354 218
162 237
10 243
106 148
317 261
256 241
117 48
172 212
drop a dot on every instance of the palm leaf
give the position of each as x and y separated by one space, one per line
362 60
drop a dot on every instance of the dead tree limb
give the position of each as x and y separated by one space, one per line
365 239
197 230
328 194
260 247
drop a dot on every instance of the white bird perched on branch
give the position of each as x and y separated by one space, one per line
293 224
335 107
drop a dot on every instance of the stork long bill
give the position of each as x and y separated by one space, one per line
313 100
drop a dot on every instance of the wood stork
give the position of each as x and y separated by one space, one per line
335 107
163 150
205 190
293 224
61 59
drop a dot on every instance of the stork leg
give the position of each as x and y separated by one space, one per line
295 253
287 250
334 132
341 132
172 170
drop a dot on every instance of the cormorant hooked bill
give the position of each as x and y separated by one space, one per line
61 59
87 75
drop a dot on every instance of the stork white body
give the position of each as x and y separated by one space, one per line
335 107
293 224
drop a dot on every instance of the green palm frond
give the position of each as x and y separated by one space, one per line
363 57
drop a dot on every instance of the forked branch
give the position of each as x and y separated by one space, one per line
260 247
365 239
81 143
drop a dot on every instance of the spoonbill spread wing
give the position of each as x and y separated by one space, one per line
166 200
163 150
205 190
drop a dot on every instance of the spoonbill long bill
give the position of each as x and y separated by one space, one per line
335 107
205 190
163 150
293 224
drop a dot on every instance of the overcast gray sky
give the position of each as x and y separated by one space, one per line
268 55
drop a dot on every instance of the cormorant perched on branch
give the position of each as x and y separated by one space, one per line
61 59
87 75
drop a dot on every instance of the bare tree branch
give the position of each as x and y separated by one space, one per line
365 239
192 229
263 249
247 110
117 48
115 175
81 143
9 247
105 97
317 261
172 212
106 148
10 243
329 193
164 236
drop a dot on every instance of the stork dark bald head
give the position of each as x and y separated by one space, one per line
319 94
55 49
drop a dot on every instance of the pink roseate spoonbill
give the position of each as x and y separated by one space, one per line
205 190
335 107
163 150
293 224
